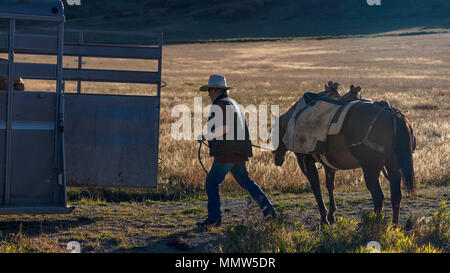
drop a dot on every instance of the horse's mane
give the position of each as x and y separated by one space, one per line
287 115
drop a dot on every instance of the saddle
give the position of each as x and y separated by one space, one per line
314 119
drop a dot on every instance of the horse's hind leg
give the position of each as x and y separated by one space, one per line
308 167
371 175
329 176
394 174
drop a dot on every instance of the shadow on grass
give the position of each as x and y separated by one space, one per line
31 228
194 240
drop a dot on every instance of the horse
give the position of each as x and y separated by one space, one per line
374 137
18 82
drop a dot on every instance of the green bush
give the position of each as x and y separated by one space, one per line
338 238
345 236
434 230
438 231
372 227
262 237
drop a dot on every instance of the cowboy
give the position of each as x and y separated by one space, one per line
230 151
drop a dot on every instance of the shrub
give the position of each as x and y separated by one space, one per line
435 230
346 235
261 237
372 227
340 237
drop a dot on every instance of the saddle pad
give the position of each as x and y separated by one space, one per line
308 125
335 128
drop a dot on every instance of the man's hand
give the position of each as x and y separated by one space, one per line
201 138
221 131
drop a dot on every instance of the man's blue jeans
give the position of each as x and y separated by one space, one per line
239 171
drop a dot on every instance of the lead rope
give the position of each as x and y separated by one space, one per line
199 157
262 148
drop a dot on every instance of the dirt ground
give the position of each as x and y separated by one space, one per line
169 226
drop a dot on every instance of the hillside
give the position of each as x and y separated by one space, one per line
191 20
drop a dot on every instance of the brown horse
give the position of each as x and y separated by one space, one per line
373 136
18 83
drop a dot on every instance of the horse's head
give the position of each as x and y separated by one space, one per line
17 83
280 151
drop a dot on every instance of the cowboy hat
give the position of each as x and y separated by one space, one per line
216 81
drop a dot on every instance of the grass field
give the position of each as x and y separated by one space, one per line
412 72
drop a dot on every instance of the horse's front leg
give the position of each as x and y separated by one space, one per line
308 167
329 176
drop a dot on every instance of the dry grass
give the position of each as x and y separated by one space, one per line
410 72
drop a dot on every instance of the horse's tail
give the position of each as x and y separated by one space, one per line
405 145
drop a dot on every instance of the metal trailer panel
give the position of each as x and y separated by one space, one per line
46 10
113 51
31 43
3 100
33 175
2 164
97 75
36 210
30 70
48 72
34 181
111 141
47 44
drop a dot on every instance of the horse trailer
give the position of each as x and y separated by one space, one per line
51 140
